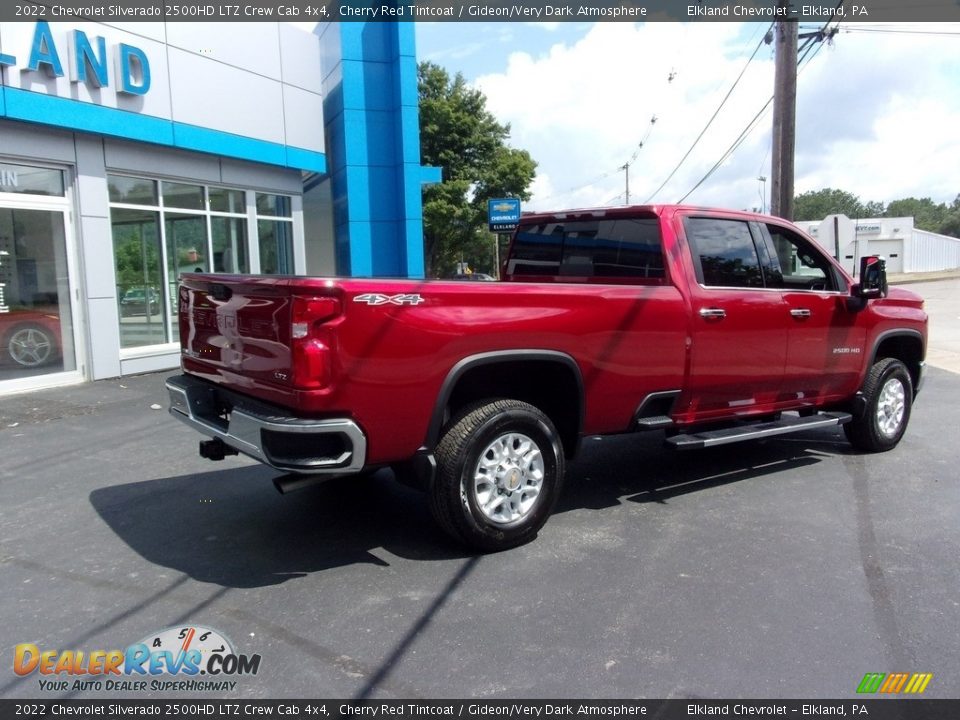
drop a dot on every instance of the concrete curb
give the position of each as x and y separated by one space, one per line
908 278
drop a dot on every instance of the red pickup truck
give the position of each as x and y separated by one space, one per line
714 326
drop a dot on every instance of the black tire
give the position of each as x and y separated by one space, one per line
531 460
888 397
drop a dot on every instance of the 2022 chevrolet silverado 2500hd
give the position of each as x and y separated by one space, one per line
714 326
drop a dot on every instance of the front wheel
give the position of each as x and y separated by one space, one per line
499 471
888 396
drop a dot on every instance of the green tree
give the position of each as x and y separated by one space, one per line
817 204
459 135
926 214
951 225
951 221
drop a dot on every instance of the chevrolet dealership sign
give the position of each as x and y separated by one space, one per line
503 215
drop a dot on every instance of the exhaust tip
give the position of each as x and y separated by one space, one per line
286 484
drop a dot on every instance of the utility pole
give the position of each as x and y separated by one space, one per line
626 167
784 119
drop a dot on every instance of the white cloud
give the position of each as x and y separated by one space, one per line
878 117
876 114
548 26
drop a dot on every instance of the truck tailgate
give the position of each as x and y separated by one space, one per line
238 324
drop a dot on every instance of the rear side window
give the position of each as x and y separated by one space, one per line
723 252
615 248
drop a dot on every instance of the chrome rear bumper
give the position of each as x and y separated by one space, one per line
265 433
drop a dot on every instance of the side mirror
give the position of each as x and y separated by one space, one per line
873 278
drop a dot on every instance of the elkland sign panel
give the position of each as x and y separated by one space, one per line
172 84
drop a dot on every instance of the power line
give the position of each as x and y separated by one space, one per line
894 31
579 187
671 76
712 118
612 200
730 150
754 121
625 166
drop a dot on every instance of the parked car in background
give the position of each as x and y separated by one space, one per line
483 277
30 337
140 301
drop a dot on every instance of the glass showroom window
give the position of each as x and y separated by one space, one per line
36 314
137 255
138 260
228 230
162 229
275 234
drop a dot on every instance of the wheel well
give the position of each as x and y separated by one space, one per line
551 386
906 348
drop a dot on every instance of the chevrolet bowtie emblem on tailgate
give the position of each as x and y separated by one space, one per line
378 299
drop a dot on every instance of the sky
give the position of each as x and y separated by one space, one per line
878 113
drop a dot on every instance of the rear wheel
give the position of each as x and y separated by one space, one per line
888 397
499 471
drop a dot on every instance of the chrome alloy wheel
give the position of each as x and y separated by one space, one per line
891 406
508 478
30 347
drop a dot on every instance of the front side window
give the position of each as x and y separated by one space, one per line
793 262
723 252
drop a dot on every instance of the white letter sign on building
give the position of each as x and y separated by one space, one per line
195 86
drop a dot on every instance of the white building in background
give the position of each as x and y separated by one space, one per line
906 248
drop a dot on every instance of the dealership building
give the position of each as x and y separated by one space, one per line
133 152
906 248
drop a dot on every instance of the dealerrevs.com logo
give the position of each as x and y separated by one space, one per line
193 658
895 683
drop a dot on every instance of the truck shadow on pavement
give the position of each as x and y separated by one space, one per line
230 527
640 469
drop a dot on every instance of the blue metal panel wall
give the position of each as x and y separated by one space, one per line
373 147
17 104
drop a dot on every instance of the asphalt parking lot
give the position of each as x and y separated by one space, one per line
785 568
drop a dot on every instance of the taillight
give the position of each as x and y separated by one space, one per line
310 348
310 311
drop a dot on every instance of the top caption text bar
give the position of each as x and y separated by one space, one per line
812 11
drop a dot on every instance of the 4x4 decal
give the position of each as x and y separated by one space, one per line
378 299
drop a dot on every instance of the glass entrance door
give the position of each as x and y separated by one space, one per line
36 316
